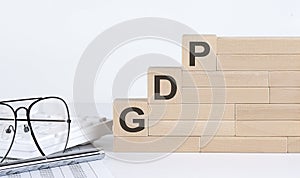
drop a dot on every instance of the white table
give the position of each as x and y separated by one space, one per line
206 165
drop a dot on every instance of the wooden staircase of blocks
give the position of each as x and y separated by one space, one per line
246 90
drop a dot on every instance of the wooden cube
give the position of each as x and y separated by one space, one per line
130 117
164 85
199 52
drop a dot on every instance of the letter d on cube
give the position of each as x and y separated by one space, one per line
164 85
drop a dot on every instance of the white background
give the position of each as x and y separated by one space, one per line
41 42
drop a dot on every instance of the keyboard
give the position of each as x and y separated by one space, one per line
83 130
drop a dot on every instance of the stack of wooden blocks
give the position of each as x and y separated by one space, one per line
248 89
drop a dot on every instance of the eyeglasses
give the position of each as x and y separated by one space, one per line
41 126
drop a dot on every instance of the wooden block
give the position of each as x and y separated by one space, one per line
191 112
284 79
225 95
225 79
268 128
191 128
293 145
133 113
156 144
254 112
284 95
246 145
167 81
200 60
258 45
258 62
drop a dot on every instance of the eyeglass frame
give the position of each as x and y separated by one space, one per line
28 110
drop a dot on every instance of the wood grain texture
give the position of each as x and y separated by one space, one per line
191 112
246 145
268 128
258 112
293 144
191 128
258 45
225 79
284 79
258 62
225 95
156 144
285 95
